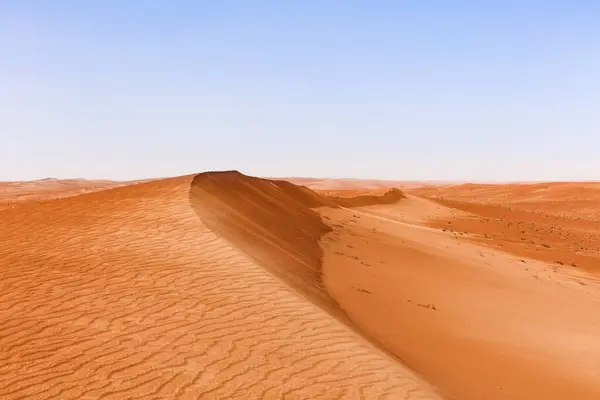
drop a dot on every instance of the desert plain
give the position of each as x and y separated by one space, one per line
220 285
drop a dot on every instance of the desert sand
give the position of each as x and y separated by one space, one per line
359 184
220 285
12 194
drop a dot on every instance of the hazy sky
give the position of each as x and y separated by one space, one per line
476 90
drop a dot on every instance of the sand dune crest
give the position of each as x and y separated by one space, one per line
126 294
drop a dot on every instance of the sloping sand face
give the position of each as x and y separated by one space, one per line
275 223
126 294
477 322
220 286
271 221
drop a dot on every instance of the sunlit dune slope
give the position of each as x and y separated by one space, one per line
476 322
272 221
127 293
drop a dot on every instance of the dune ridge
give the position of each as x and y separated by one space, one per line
221 285
126 294
271 221
411 287
275 223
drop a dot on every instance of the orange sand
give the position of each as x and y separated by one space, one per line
220 285
127 293
12 194
554 222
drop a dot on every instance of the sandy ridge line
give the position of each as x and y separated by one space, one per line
125 294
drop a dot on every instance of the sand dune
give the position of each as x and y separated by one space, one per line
475 321
220 285
275 223
358 184
126 293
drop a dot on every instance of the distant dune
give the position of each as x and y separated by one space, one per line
555 222
220 285
358 184
49 188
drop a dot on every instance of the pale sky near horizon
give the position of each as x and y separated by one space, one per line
441 90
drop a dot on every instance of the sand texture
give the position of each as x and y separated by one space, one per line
127 293
224 286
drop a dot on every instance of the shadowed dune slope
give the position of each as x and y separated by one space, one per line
360 198
274 222
126 294
271 221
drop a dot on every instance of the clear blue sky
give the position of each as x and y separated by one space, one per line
466 90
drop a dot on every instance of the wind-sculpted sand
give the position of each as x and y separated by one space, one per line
224 286
476 322
127 293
